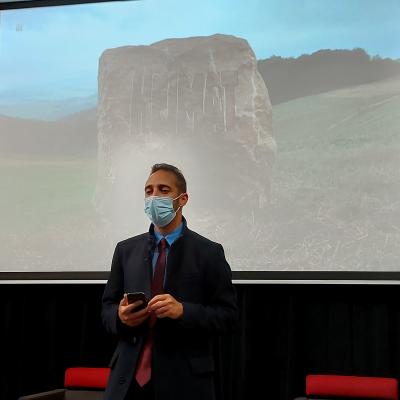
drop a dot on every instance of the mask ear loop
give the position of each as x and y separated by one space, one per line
178 198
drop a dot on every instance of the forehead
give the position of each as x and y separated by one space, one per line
161 177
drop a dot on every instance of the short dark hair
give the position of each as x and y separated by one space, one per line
180 179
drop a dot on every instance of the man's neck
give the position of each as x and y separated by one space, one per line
165 230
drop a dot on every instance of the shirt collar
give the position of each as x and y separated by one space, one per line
171 237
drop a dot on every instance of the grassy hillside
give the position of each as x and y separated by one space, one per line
336 185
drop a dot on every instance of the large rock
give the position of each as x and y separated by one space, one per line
198 103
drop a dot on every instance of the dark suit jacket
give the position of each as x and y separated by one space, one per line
197 275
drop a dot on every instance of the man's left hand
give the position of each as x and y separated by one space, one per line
164 305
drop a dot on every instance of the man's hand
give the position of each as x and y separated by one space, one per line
164 305
129 317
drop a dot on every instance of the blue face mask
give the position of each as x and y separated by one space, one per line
160 210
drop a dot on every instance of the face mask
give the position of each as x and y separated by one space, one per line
160 210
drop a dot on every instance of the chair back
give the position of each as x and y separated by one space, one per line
83 377
352 387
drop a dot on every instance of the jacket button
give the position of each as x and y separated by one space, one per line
134 340
121 380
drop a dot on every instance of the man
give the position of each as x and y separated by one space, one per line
165 350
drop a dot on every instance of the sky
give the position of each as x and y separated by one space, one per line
52 52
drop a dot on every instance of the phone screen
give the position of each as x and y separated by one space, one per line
136 296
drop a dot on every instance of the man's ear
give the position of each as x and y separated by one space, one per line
183 199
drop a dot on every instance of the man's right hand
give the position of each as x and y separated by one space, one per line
129 317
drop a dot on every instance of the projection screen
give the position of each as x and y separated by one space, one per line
283 116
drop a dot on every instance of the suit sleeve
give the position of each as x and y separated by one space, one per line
113 293
220 313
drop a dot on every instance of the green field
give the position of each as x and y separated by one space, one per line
336 180
39 193
47 216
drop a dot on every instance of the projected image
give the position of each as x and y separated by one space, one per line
284 118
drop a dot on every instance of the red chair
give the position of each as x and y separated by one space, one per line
351 387
80 383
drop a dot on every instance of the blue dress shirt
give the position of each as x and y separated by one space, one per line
170 238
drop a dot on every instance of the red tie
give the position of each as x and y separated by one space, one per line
143 370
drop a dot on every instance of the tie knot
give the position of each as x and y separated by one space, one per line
163 244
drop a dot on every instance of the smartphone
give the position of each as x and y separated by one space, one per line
136 296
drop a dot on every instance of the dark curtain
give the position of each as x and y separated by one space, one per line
285 332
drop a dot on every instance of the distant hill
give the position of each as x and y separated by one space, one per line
322 71
48 110
75 135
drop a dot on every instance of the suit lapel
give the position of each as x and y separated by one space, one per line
174 262
138 272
